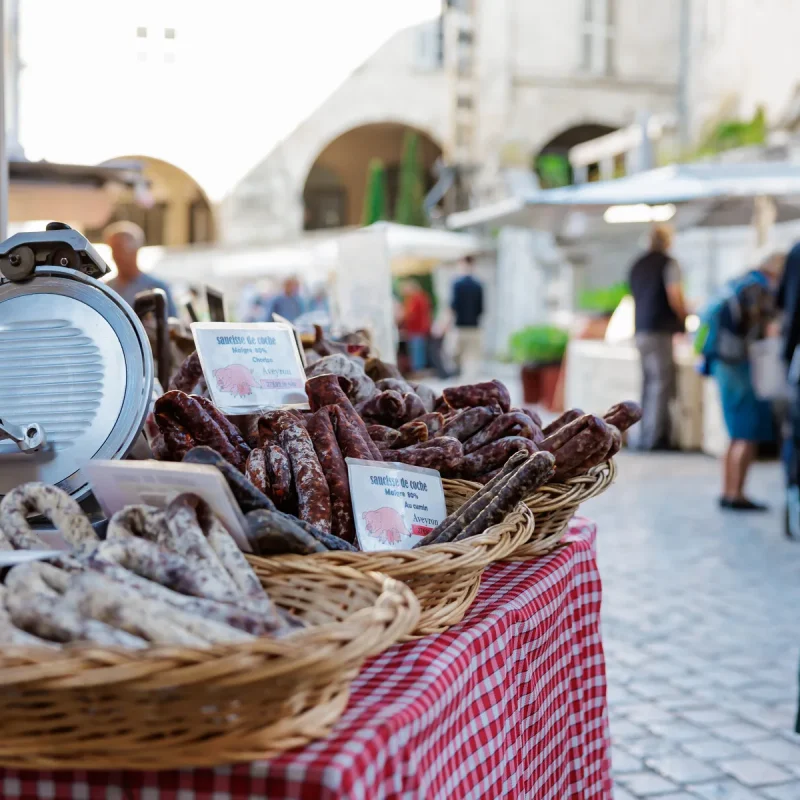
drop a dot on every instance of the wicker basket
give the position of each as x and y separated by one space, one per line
444 577
169 707
553 506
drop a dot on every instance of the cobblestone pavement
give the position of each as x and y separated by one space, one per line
702 630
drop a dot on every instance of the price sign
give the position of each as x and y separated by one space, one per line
251 367
117 484
394 505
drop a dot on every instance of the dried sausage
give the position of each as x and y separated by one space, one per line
513 422
434 422
385 408
623 415
414 407
443 454
361 387
231 431
377 370
478 394
177 440
188 374
467 423
383 435
256 471
323 436
348 435
313 493
493 455
426 394
558 423
271 533
411 433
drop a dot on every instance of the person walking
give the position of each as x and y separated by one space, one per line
743 317
655 282
125 240
289 304
467 308
416 322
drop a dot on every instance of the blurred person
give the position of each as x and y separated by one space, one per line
655 282
125 240
290 303
417 317
466 306
744 316
318 301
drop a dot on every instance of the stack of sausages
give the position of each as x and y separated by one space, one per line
162 577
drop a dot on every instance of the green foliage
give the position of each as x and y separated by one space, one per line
409 209
603 300
731 134
538 343
375 204
554 170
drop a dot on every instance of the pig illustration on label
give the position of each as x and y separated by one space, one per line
237 379
386 525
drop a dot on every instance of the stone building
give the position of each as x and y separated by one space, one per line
491 85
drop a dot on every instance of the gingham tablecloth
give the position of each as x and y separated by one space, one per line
510 703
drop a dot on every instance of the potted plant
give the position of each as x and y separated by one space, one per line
539 349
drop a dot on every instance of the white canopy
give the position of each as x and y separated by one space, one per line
677 184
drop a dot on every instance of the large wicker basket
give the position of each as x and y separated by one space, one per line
169 707
444 577
553 506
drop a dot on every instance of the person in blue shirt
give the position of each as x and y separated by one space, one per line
290 304
467 308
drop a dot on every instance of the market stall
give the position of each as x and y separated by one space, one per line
513 696
304 557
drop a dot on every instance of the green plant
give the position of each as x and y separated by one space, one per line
603 300
538 343
409 208
375 204
554 170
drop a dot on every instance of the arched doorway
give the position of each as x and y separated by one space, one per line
333 194
552 161
173 210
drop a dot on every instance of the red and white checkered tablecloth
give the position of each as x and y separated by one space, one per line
510 703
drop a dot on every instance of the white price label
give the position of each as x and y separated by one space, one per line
117 484
394 505
250 367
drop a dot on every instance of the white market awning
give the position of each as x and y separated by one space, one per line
678 184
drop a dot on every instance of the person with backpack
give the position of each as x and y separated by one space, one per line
737 319
655 282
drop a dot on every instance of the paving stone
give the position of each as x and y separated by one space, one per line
683 769
622 761
785 791
621 793
711 748
724 790
677 731
622 731
646 784
645 714
778 751
740 732
708 716
652 746
755 771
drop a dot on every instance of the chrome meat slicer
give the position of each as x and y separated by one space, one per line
76 367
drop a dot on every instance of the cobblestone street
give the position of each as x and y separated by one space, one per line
702 629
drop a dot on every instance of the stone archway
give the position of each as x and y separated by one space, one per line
333 192
173 211
551 163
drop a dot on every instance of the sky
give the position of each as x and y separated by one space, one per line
237 77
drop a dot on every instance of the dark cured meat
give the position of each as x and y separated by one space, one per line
349 437
330 541
411 433
326 390
275 534
494 455
256 471
313 493
197 421
414 407
513 421
246 495
188 374
449 527
434 422
443 454
478 394
279 471
323 436
537 420
558 423
589 447
537 470
231 431
383 435
623 415
177 441
467 423
385 408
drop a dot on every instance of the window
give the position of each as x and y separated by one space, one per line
169 33
597 36
430 45
141 32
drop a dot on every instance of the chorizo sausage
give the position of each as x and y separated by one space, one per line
478 394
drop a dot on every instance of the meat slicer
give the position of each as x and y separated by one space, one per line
76 368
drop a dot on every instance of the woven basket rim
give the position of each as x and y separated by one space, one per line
329 646
555 496
473 554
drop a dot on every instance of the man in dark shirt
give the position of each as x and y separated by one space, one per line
655 282
467 308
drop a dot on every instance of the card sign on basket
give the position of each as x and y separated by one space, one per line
394 505
251 367
117 484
